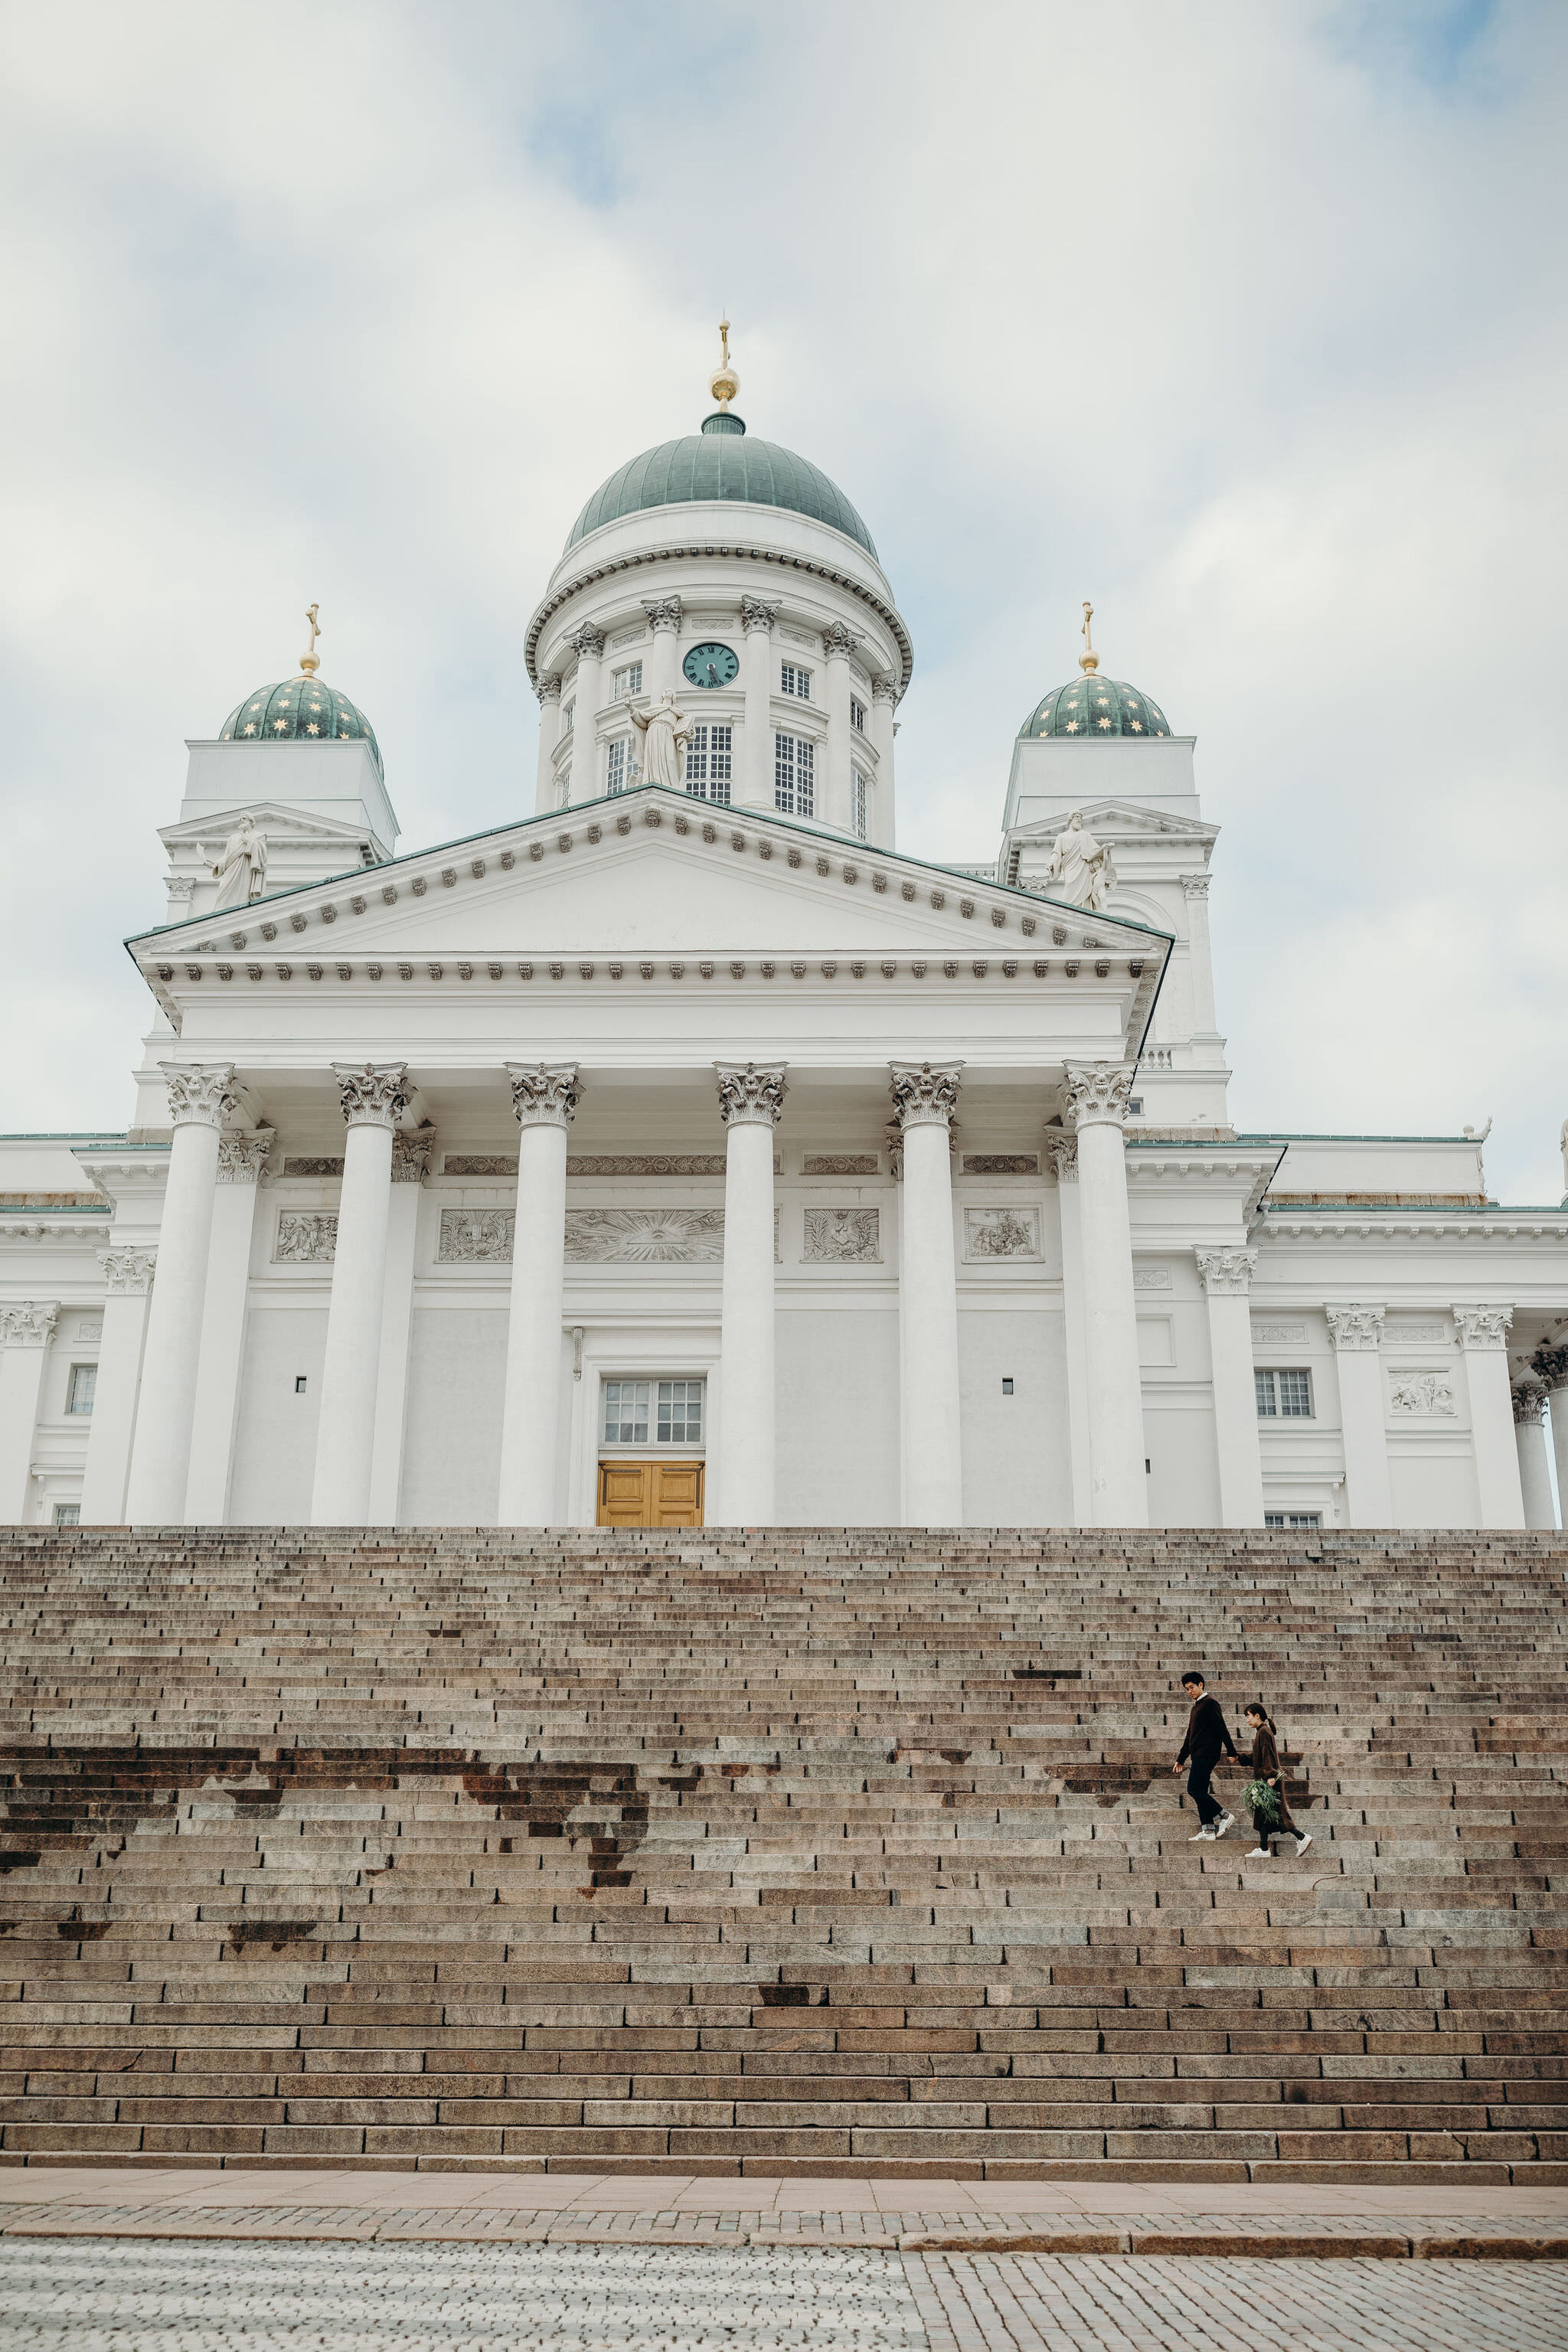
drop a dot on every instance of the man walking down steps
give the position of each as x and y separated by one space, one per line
1208 1739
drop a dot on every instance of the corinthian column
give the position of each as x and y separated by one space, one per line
1356 1332
372 1095
549 693
588 644
757 746
1096 1106
664 620
838 643
241 1170
1226 1277
749 1101
1551 1364
1483 1341
1529 1436
924 1101
545 1100
884 726
1062 1151
26 1331
1200 962
128 1284
199 1100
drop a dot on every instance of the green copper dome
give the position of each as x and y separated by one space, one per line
721 463
301 710
1093 707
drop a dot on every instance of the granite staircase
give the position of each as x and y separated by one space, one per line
783 1853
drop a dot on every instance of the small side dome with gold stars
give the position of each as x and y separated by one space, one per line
302 710
1091 707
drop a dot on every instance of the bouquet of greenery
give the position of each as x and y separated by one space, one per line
1263 1797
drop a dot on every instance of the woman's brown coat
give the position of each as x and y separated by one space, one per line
1266 1765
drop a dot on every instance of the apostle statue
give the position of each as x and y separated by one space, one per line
241 870
1080 866
666 731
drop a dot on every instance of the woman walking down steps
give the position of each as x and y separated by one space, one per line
1267 1767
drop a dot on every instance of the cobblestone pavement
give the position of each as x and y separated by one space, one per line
136 2295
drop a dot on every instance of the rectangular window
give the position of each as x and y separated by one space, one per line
627 1411
1284 1396
857 716
796 681
68 1515
1292 1518
795 775
563 785
625 681
619 773
1134 1105
709 763
858 803
681 1412
83 1381
568 712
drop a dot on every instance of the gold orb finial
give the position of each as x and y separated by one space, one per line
724 384
1088 659
309 660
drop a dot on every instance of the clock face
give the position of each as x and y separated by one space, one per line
710 666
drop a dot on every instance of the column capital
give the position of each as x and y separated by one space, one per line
884 689
1551 1363
549 689
1483 1330
925 1096
544 1094
838 641
1355 1330
242 1155
587 643
1061 1150
201 1094
410 1156
1226 1273
663 613
1097 1093
1195 885
756 613
371 1093
1529 1400
749 1097
127 1271
29 1324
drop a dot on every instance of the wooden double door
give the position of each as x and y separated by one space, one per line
650 1494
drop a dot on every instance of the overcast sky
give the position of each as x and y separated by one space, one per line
1246 321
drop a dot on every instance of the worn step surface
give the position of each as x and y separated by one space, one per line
801 1852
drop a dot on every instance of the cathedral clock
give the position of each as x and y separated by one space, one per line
710 666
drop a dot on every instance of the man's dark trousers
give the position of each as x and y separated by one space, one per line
1209 1807
1207 1739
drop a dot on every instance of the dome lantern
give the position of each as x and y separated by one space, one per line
302 710
1092 708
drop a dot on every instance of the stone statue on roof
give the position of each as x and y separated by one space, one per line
664 731
242 870
1080 869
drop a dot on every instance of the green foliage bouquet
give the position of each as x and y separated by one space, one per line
1263 1797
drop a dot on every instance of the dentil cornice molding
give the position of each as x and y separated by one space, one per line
748 1097
1097 1093
29 1324
242 1155
127 1271
545 1094
925 1096
1227 1272
1355 1330
1483 1330
200 1094
371 1093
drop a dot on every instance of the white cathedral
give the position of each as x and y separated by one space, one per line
684 1152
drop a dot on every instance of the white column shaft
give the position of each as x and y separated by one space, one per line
1535 1473
663 666
1369 1496
114 1404
396 1336
1235 1411
161 1458
21 1381
928 1301
757 747
221 1354
1557 1412
1201 964
586 782
747 1453
531 1411
836 811
1076 1353
883 828
1492 1433
345 1431
549 736
1119 1487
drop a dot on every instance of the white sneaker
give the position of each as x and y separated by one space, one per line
1302 1843
1203 1837
1260 1853
1229 1822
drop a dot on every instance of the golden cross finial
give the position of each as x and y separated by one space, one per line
724 384
1088 659
724 339
310 661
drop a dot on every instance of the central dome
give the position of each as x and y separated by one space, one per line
717 464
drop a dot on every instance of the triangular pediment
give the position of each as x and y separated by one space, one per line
275 818
651 872
1115 820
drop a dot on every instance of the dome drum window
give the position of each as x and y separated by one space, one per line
795 681
795 775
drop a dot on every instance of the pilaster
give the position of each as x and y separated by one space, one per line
242 1158
26 1330
128 1286
1355 1332
1226 1277
1483 1343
